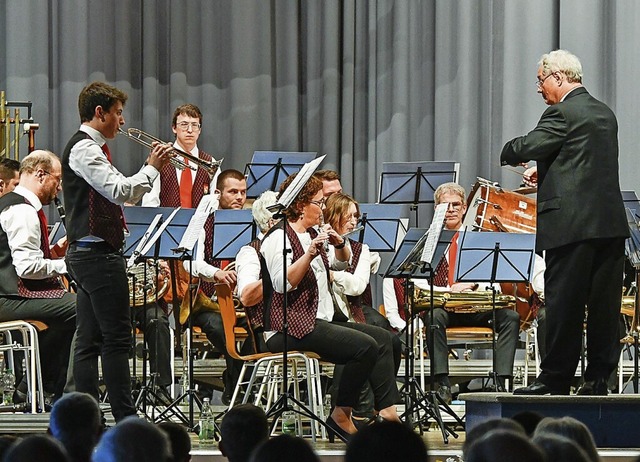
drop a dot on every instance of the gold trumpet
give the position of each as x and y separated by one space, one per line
147 140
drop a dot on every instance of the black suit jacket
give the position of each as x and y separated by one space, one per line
575 145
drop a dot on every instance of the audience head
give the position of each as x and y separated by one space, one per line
486 426
41 448
263 217
6 441
529 420
284 448
570 428
342 212
9 175
307 199
186 125
232 187
133 440
330 182
76 422
180 441
41 173
384 441
557 447
243 428
495 444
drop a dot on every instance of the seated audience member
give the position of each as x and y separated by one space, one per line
284 448
503 444
243 428
386 441
574 430
40 448
77 423
6 441
557 447
180 441
133 440
507 321
486 426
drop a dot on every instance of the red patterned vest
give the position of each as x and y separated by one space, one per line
356 301
170 190
256 312
10 282
302 303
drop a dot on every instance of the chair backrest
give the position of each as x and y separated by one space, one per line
229 319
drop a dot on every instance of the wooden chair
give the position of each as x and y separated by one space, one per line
266 382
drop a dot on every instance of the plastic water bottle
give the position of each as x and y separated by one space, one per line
207 426
289 423
8 386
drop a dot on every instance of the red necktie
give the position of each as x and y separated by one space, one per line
44 237
107 153
186 184
453 253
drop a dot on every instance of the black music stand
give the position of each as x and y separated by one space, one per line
492 258
408 264
382 226
232 229
173 232
414 182
268 169
283 403
146 227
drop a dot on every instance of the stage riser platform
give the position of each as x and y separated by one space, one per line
610 418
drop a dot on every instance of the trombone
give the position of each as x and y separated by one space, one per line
147 140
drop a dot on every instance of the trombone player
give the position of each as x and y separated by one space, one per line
94 194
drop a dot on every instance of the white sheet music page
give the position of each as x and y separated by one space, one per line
190 236
158 233
143 241
433 234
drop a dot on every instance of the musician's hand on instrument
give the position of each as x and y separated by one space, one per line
317 245
60 248
530 176
159 155
333 236
463 287
225 277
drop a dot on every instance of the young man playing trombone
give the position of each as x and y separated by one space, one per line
94 194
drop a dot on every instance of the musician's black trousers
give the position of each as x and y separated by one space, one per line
103 326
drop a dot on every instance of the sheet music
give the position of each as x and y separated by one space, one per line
143 240
196 223
158 233
433 234
289 194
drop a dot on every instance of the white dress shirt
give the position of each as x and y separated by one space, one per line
22 226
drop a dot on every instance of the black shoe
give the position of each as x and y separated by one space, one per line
333 430
538 388
444 393
597 387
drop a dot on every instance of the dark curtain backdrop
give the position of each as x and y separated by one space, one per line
362 81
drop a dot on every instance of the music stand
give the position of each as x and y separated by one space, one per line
268 169
174 226
408 263
414 182
492 258
232 229
382 226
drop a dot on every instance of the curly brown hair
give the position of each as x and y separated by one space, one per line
304 196
337 207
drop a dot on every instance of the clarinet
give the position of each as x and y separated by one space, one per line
63 215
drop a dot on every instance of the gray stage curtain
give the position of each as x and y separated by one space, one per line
362 81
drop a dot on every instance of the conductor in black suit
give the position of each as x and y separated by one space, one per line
581 225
